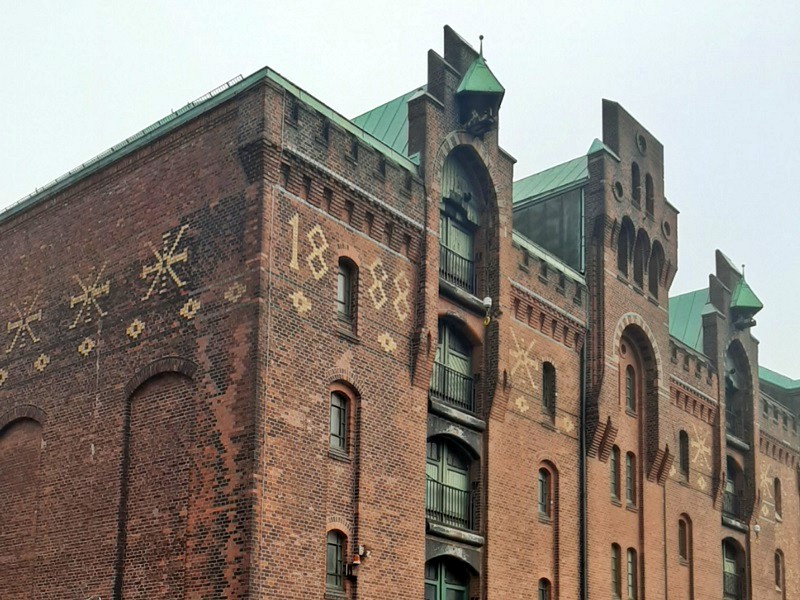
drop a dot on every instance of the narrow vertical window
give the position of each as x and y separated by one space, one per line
345 296
779 571
616 579
649 194
334 561
614 462
633 584
683 450
778 499
545 493
549 388
544 589
630 389
338 424
630 479
683 540
636 185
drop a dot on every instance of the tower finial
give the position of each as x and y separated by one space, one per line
480 37
742 269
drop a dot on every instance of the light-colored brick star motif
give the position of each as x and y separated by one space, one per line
88 298
702 451
25 318
701 482
301 304
86 346
672 470
387 343
764 510
521 356
189 310
522 404
765 483
567 426
41 363
135 329
162 270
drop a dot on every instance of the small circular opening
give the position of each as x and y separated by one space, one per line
667 229
618 191
641 143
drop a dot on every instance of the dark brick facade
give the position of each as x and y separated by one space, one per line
173 344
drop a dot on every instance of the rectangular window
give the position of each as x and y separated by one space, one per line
630 479
632 578
614 461
616 580
334 565
338 437
344 300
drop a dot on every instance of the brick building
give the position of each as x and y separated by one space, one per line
260 350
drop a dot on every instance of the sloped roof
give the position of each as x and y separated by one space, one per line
686 318
479 78
778 380
744 298
550 180
389 122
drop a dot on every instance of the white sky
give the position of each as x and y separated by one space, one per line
718 82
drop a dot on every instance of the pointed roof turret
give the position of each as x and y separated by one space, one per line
480 79
479 96
744 298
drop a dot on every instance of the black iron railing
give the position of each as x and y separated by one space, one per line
456 269
452 387
448 505
734 424
733 586
732 504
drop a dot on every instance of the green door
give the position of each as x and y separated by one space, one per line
443 582
447 492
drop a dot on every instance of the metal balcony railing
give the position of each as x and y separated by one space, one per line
732 504
449 506
733 586
734 424
452 387
456 269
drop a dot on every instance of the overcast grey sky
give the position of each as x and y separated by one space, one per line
717 82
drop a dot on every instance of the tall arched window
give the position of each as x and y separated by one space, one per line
683 540
448 495
346 286
549 388
339 409
655 268
545 495
446 579
336 547
625 240
649 194
451 380
630 479
633 575
778 499
545 589
780 576
641 255
616 571
683 453
733 581
630 389
636 185
614 463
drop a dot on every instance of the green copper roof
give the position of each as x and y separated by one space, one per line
191 111
479 78
552 180
778 380
686 318
389 122
744 298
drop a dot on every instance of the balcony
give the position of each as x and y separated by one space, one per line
449 506
453 388
456 269
733 586
732 505
734 424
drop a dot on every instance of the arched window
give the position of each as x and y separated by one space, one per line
641 254
649 194
655 268
633 575
630 479
451 380
683 453
448 494
614 463
446 579
549 388
346 295
733 582
616 571
545 493
780 576
683 540
336 548
544 589
778 499
625 240
636 185
338 422
458 222
630 389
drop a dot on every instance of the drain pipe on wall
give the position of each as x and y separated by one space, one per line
583 551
